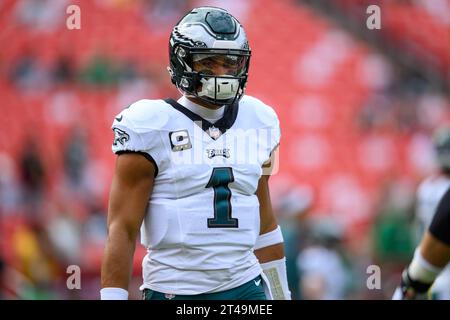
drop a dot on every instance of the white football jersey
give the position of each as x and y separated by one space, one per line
429 193
203 215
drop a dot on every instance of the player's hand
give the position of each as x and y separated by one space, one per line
411 289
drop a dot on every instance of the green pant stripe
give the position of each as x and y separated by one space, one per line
251 290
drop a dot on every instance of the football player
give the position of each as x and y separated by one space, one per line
192 174
433 213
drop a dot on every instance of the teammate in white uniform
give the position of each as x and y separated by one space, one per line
193 175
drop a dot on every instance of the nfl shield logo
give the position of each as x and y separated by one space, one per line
169 296
214 132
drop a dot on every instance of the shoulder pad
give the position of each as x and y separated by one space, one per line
144 115
260 111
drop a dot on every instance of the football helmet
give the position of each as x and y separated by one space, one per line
205 37
441 141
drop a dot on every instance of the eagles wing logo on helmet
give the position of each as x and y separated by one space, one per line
203 33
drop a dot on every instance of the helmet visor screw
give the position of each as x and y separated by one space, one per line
184 83
181 52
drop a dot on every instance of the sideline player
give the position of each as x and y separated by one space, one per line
427 268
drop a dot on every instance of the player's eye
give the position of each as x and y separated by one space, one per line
207 63
206 72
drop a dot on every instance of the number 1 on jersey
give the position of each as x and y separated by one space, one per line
220 178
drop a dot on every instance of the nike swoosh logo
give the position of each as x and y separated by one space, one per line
257 282
119 118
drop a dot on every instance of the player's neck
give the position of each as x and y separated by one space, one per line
207 113
203 103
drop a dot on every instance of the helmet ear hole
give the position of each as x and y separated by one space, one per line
181 52
185 83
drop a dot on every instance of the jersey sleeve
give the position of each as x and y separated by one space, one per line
276 133
272 125
271 165
264 118
138 129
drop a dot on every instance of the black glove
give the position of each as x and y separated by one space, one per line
410 289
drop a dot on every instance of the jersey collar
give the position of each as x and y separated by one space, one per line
223 124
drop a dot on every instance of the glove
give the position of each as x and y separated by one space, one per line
410 289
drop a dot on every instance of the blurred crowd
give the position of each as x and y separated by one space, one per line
54 217
53 213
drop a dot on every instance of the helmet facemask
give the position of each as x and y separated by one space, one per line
215 76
